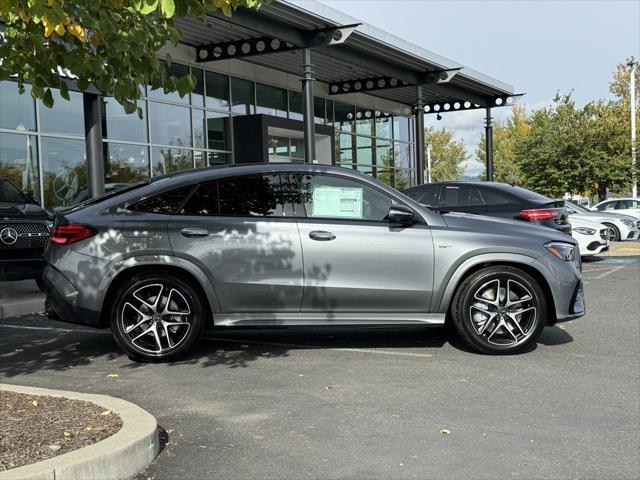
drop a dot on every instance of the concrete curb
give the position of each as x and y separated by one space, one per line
122 455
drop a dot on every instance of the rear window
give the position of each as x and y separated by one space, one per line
525 194
493 197
165 203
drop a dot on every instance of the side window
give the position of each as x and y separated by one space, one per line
607 207
164 203
454 196
623 204
474 197
326 196
204 200
427 195
493 197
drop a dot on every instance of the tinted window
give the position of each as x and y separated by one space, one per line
425 195
245 196
607 207
460 196
493 197
326 196
165 203
9 193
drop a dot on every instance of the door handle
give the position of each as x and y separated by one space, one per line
321 236
194 232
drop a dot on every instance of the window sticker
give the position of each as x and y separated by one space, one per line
341 202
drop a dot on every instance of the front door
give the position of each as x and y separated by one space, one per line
354 260
241 231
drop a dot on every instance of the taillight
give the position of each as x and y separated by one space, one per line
68 234
537 214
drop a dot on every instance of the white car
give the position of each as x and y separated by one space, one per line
624 206
592 237
621 227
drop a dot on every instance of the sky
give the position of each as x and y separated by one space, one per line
540 47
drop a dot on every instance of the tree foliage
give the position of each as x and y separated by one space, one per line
109 45
447 155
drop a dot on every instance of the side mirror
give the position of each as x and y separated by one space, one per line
401 214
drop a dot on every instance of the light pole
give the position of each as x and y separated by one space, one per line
632 87
428 163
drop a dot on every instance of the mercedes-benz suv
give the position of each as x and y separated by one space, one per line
288 244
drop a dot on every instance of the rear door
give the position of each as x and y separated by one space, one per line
354 259
242 232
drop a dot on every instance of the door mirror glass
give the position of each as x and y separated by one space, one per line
401 214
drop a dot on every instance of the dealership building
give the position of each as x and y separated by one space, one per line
294 81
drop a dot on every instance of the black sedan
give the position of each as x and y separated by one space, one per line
494 199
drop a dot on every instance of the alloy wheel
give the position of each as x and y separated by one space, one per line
503 312
156 318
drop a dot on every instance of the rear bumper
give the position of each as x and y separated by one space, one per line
61 301
21 269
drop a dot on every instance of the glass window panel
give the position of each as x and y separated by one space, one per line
297 148
217 90
64 170
242 97
295 105
404 179
383 127
199 126
345 148
403 155
165 203
401 129
175 70
384 154
218 158
197 95
252 196
118 125
386 175
17 112
344 114
66 116
333 197
19 162
364 154
367 169
319 114
364 121
218 131
168 159
278 146
271 100
204 200
124 163
170 124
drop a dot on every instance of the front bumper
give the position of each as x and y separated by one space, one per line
20 269
577 307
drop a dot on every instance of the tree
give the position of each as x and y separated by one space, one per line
447 155
505 138
110 45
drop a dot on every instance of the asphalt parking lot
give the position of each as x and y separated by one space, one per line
371 403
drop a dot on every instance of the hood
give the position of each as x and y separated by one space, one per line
22 211
504 226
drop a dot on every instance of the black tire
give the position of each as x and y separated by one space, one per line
474 331
615 233
40 284
182 295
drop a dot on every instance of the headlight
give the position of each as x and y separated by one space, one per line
628 223
584 230
564 251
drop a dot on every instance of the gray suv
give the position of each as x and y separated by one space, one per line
286 244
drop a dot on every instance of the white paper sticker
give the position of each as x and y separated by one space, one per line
341 202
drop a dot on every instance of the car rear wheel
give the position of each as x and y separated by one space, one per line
499 310
157 317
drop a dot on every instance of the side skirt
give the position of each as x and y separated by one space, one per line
326 318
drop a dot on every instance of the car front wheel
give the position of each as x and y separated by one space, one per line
157 317
499 310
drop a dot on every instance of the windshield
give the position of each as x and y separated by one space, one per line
578 207
9 193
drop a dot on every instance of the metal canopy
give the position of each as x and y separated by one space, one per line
368 53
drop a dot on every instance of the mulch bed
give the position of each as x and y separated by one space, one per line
34 428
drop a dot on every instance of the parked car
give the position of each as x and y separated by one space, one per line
623 206
621 227
592 237
24 231
83 196
494 199
295 244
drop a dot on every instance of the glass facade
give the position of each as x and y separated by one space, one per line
43 150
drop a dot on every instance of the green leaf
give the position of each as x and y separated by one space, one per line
64 90
167 8
47 99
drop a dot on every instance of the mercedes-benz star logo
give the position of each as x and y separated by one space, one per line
8 236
